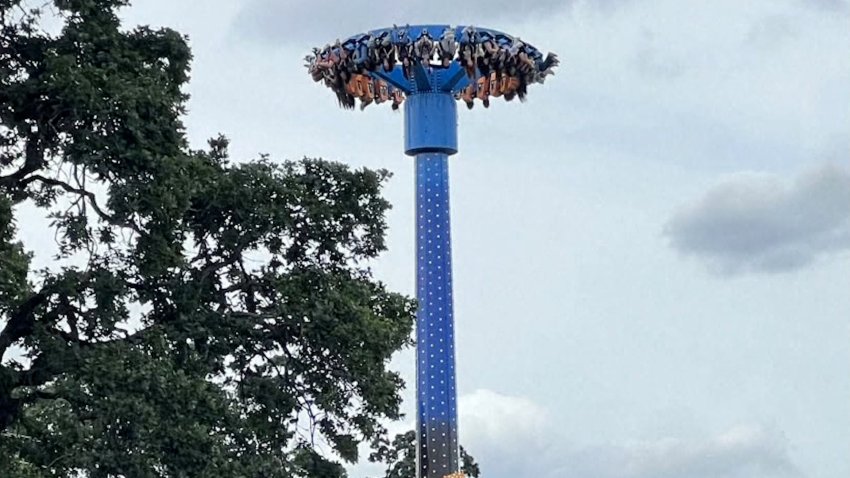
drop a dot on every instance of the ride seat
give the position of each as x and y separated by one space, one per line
509 84
383 91
483 88
495 85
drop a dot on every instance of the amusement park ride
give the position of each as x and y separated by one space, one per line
427 68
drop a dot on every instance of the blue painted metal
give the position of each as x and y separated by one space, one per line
421 78
453 78
431 136
430 124
437 447
395 78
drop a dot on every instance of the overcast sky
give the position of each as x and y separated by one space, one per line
652 255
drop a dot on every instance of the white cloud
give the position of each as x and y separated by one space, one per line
513 436
502 431
759 223
518 416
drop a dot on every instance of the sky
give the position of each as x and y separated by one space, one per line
651 254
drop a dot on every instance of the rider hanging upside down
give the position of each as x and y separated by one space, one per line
495 64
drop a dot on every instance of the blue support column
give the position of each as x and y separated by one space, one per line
436 385
431 136
430 124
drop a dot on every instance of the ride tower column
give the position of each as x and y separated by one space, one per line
431 137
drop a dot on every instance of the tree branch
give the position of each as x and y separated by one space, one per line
34 160
92 200
133 339
21 322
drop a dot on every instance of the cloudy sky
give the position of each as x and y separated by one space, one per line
652 254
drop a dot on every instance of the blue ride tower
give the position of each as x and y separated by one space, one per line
431 136
396 65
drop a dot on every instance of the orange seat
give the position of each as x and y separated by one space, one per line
351 86
495 85
361 86
483 88
509 84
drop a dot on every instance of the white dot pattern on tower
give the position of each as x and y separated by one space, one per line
436 383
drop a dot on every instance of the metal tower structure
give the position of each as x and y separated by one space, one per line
429 68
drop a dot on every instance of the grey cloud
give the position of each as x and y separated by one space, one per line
512 437
828 5
758 223
771 31
322 21
653 62
742 452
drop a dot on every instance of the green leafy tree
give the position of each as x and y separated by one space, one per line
400 457
201 318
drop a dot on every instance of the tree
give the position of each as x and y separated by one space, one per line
201 318
400 457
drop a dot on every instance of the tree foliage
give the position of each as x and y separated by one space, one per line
201 317
400 457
